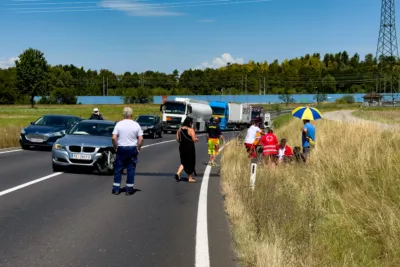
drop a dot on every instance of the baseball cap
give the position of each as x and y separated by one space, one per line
95 110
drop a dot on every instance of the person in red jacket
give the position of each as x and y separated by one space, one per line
285 152
269 143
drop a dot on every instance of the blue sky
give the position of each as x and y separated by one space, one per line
163 35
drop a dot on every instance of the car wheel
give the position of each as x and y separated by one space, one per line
57 168
25 147
154 136
160 134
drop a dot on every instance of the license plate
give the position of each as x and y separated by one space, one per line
81 156
173 126
36 140
145 133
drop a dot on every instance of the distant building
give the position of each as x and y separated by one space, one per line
373 98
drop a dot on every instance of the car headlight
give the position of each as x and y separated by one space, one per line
59 147
23 131
61 133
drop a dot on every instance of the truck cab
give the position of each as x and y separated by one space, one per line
175 112
232 115
221 111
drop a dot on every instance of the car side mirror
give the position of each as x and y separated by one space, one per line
161 107
63 132
32 123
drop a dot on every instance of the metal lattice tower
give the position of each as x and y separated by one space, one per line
387 53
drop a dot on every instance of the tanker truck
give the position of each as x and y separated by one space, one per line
174 112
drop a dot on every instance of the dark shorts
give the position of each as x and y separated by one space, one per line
306 151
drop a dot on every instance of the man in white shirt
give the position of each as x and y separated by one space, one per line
127 140
250 138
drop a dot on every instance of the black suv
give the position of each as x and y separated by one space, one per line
151 125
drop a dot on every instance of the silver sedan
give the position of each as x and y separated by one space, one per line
88 143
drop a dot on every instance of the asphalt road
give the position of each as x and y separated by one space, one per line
72 219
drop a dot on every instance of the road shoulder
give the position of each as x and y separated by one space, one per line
347 116
219 231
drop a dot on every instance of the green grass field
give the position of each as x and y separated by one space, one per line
14 118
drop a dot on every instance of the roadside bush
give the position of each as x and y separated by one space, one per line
340 209
63 96
347 99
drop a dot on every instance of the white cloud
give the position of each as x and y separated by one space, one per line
205 20
7 63
137 8
221 61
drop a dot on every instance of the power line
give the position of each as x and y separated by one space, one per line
132 7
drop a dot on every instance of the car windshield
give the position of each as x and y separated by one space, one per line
175 108
255 114
92 128
145 119
218 111
52 121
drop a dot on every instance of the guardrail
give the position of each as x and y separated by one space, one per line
275 114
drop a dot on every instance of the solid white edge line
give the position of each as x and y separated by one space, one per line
202 245
202 249
2 193
10 151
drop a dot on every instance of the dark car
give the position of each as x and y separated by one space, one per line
151 125
46 130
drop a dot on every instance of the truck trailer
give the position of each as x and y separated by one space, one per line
174 112
232 115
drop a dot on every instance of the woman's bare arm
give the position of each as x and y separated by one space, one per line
177 135
192 133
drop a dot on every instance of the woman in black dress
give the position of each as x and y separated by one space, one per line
186 138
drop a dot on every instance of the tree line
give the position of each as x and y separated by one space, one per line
310 74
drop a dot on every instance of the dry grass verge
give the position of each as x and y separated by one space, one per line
391 116
341 209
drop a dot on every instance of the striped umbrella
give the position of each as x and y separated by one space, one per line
306 113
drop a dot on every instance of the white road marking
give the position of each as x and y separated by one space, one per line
10 151
2 193
202 252
169 141
16 150
202 245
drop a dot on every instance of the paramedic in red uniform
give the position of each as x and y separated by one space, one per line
269 142
285 152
